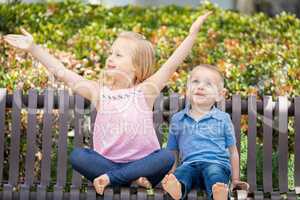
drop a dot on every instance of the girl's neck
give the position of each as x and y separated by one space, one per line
120 84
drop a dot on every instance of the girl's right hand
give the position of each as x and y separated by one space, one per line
198 23
23 42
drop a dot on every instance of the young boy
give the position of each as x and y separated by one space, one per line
204 137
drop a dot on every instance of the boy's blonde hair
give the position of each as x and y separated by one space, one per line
212 68
143 57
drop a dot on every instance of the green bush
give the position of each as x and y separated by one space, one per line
258 55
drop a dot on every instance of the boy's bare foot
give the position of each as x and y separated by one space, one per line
100 183
220 191
143 182
172 186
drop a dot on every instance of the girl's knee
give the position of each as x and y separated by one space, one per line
77 156
168 157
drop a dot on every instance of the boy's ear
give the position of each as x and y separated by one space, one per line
222 94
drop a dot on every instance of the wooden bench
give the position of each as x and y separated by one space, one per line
51 181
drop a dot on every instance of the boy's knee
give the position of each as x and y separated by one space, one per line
217 172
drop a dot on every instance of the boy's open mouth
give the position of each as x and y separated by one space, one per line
200 94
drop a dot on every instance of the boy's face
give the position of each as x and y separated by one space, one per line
204 87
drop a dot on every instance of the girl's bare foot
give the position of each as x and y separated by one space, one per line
100 183
172 186
220 191
143 182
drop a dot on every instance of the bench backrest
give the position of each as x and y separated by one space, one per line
39 136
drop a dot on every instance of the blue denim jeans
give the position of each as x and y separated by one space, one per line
91 164
201 175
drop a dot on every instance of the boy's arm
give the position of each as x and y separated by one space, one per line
235 164
86 88
176 154
154 84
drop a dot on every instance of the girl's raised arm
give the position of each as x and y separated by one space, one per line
86 88
154 84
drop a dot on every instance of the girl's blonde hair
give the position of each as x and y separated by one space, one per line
143 57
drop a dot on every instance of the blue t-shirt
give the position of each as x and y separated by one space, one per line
205 140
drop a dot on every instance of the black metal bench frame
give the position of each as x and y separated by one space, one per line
38 188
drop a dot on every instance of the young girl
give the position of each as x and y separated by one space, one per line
126 148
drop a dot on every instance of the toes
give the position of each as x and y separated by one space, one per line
165 179
146 182
100 184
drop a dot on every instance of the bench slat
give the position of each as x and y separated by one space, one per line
251 161
15 139
158 195
31 137
41 192
258 195
174 105
297 142
108 194
291 196
74 193
30 144
192 195
283 144
141 194
125 193
158 117
47 138
24 192
58 193
93 115
91 194
78 136
7 191
267 143
275 196
2 129
93 118
62 138
236 119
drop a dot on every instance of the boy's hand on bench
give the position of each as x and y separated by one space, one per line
240 185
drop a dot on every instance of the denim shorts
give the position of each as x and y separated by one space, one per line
201 175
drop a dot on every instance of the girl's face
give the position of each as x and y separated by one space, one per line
119 64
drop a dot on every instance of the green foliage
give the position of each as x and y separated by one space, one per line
258 55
